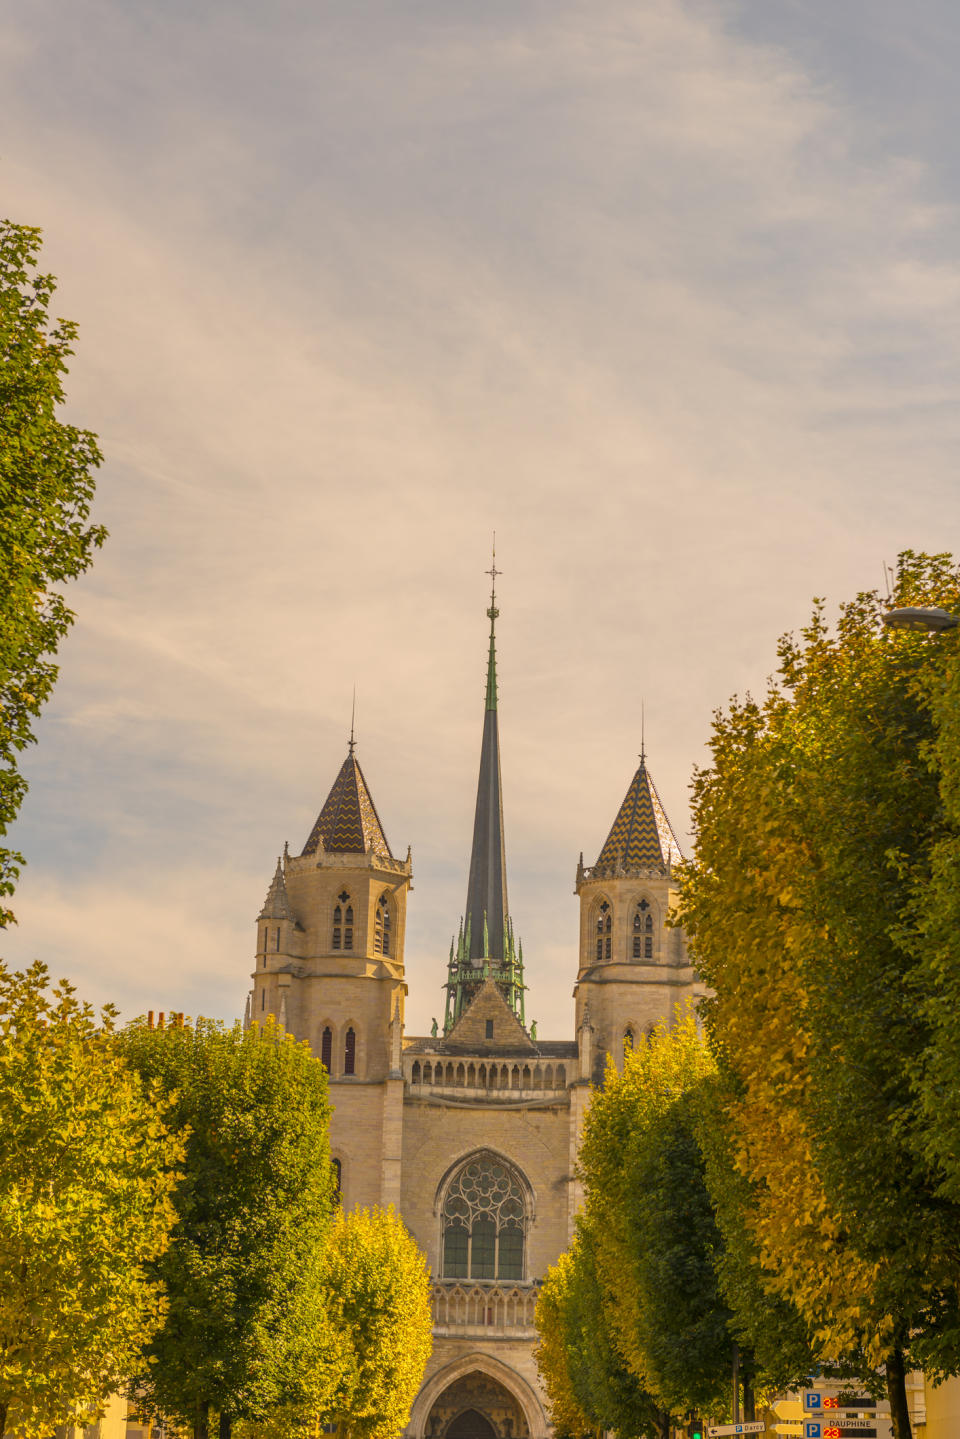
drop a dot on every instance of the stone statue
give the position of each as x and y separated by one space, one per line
433 1029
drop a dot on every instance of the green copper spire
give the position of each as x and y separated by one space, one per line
485 947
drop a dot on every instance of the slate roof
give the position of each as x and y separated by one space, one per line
642 835
348 822
487 883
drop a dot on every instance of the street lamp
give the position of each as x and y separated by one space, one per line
921 617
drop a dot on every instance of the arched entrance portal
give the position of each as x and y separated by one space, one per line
476 1406
470 1425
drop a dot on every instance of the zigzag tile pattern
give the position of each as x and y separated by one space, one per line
348 822
641 835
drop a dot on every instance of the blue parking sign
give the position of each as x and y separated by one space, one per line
812 1401
812 1429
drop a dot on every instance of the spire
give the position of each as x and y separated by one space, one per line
642 836
485 947
492 613
277 904
348 822
487 885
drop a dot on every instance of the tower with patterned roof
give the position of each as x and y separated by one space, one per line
633 969
330 968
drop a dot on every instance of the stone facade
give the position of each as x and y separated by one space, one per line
472 1132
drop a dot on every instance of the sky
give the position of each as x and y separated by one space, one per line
667 294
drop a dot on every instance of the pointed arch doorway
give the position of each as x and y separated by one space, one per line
476 1406
471 1425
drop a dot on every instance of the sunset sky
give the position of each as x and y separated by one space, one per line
666 293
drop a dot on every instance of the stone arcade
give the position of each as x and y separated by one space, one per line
472 1132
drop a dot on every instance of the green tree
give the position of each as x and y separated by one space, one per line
377 1294
817 828
46 490
253 1204
767 1327
86 1170
654 1228
555 1353
589 1388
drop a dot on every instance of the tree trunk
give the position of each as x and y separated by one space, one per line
749 1398
201 1429
664 1424
3 1419
897 1394
226 1425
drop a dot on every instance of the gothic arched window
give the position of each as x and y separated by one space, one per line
343 922
326 1048
643 931
381 926
628 1039
350 1052
483 1222
604 930
337 1177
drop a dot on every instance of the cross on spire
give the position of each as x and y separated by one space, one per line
492 612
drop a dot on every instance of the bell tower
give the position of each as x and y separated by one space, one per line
330 936
634 970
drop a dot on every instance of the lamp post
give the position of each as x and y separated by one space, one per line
921 617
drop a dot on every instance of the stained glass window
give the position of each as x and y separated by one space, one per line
483 1222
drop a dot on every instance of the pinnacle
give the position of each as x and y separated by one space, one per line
277 903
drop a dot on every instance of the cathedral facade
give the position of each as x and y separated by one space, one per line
471 1132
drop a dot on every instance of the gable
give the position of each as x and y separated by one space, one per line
488 1006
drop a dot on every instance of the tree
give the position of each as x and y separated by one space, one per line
377 1294
86 1170
817 829
653 1223
767 1327
558 1346
46 490
589 1388
252 1207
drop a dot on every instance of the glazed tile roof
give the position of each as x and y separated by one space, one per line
348 822
641 835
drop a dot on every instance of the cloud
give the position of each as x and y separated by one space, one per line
356 287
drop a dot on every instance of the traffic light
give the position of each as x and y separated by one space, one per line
695 1428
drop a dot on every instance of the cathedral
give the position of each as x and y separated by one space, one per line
470 1132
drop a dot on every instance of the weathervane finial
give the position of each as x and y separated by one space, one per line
492 612
353 718
643 736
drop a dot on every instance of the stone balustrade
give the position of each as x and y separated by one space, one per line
486 1078
484 1307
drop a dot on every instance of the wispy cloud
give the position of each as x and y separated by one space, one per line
638 287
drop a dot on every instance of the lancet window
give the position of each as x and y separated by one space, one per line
643 931
484 1218
326 1048
381 926
343 922
629 1039
350 1052
604 930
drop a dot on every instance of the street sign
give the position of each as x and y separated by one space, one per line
856 1405
838 1428
816 1402
752 1426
